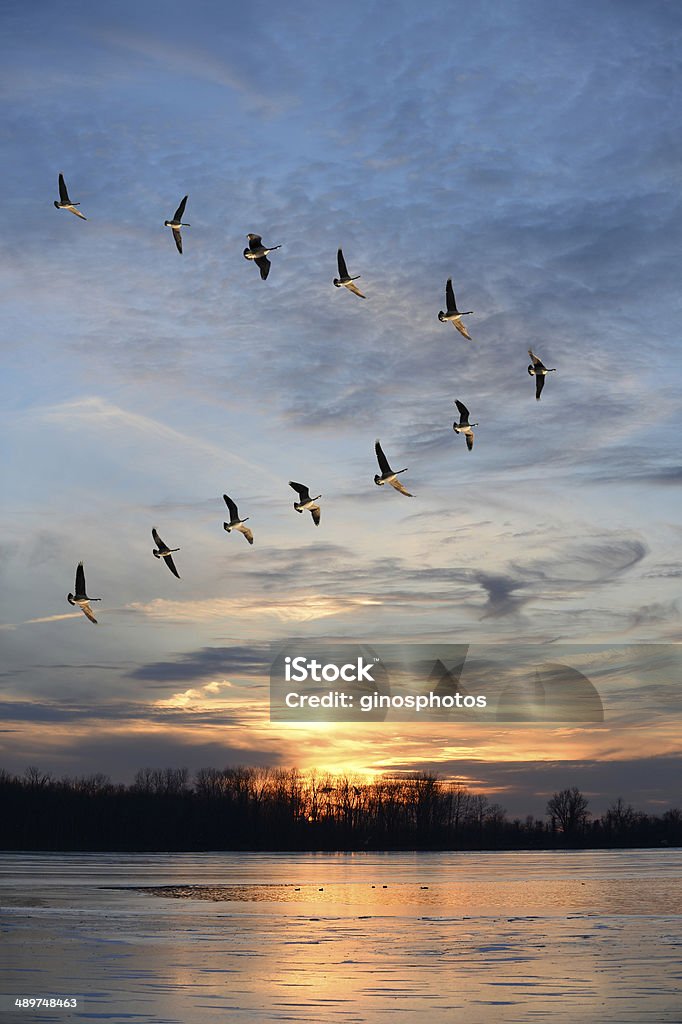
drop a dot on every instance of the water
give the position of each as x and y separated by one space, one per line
480 937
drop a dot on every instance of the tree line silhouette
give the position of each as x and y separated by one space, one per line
244 808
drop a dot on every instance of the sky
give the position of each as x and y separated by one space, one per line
529 151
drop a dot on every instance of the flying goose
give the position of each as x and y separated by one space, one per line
235 522
344 279
387 474
464 427
452 313
80 597
177 223
257 252
66 204
163 551
538 370
306 502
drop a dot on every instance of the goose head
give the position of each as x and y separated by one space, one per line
441 316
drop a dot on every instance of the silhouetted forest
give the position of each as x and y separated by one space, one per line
285 809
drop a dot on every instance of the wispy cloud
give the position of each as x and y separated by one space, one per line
296 608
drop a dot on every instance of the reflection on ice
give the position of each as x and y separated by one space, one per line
310 938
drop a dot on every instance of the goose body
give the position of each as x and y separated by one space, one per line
235 522
80 596
258 252
344 280
464 427
306 502
388 476
163 551
64 201
451 312
538 370
176 223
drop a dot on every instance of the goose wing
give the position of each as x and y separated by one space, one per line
80 581
470 439
301 489
450 297
343 269
78 213
539 385
399 487
157 540
255 242
247 532
534 359
263 263
352 288
63 193
315 513
178 239
462 329
463 411
232 508
168 559
87 611
383 461
180 212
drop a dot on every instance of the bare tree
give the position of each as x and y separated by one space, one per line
568 810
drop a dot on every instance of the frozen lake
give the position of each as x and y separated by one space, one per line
437 937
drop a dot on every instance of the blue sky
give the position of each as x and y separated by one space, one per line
531 152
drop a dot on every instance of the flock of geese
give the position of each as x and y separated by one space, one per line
258 253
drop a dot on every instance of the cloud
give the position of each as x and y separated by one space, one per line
296 608
96 414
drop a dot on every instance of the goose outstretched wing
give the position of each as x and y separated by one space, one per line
168 559
462 329
343 269
247 532
80 581
450 297
383 461
263 263
232 508
301 489
463 411
399 487
87 611
63 192
180 212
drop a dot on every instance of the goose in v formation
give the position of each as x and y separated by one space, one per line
538 370
306 502
451 312
344 280
464 427
235 522
388 476
176 223
258 252
81 598
163 551
64 201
